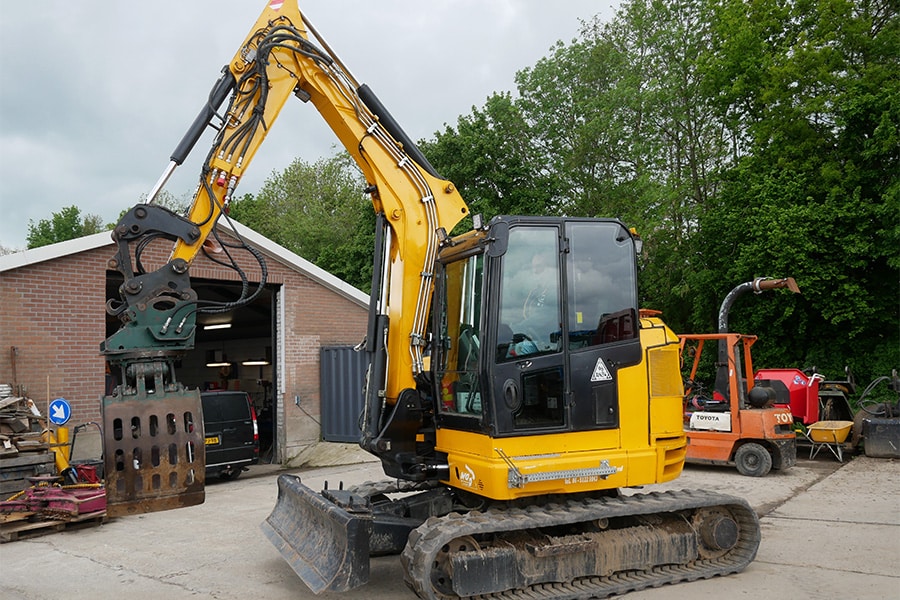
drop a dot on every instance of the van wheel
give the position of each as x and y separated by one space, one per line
231 475
753 460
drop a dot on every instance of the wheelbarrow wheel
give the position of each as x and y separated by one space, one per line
753 460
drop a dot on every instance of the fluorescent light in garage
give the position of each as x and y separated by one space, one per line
216 358
259 361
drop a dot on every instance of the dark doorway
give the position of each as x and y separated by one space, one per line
233 350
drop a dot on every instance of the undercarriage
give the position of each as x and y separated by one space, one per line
557 547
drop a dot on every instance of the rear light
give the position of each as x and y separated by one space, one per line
255 425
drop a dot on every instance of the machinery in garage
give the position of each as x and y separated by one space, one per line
508 397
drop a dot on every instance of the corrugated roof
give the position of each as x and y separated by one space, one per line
18 260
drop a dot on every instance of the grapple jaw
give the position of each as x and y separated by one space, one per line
154 458
327 545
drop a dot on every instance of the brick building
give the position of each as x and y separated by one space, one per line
53 319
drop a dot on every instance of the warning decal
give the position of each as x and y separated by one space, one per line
601 373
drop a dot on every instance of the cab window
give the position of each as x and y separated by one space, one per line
460 337
529 295
601 301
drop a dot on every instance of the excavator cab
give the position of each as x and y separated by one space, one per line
529 322
532 319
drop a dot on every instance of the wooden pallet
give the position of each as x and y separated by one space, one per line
13 530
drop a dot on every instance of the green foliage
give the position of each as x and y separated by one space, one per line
67 224
612 125
319 212
492 159
742 139
815 192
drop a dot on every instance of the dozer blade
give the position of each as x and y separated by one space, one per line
326 545
154 458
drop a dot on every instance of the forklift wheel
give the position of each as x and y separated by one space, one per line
753 460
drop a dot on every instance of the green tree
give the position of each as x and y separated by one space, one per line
67 224
320 212
814 110
743 139
492 158
622 119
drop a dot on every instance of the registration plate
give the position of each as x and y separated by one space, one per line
212 440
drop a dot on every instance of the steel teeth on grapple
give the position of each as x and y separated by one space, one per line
326 546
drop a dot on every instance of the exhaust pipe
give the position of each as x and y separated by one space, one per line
758 286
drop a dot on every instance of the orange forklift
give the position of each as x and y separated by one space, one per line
736 423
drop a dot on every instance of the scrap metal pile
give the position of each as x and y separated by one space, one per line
36 496
24 449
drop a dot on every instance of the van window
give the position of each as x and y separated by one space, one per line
226 407
234 407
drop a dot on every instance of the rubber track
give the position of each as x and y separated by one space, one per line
391 486
426 542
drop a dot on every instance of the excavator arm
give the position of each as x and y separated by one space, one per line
284 56
281 57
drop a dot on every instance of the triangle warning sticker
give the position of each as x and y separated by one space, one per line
601 373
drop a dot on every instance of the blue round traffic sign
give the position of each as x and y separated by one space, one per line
60 411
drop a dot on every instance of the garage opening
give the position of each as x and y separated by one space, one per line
232 351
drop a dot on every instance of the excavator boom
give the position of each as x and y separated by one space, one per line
277 60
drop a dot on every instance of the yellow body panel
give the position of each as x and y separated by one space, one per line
635 454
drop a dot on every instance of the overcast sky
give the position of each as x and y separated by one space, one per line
96 94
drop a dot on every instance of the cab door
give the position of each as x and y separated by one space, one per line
566 323
601 319
529 383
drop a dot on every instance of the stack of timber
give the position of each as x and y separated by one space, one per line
23 451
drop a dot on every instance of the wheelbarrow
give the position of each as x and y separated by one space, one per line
828 434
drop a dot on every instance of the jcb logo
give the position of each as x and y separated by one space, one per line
467 476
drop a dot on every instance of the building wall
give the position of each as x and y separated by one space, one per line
53 313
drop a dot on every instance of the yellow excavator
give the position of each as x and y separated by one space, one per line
514 388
